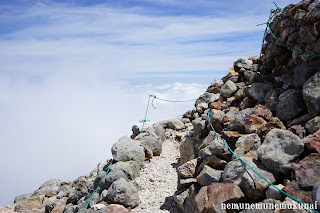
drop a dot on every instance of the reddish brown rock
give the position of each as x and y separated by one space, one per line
263 112
307 171
231 100
231 136
293 189
254 124
216 105
209 197
115 208
298 130
274 123
312 142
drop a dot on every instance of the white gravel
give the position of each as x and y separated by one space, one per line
158 181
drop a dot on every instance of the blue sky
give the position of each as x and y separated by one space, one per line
75 75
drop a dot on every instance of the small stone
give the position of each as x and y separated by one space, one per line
274 193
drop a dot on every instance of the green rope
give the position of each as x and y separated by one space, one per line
309 53
255 170
155 97
97 187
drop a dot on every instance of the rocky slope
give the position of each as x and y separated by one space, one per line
267 109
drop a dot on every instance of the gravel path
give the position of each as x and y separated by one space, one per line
158 181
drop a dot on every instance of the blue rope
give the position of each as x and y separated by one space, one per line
255 170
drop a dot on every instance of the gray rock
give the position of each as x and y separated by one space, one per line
124 193
247 145
187 150
217 83
279 149
130 168
228 89
153 143
218 148
302 73
259 90
179 197
237 123
160 132
199 128
250 183
63 191
316 194
49 188
111 177
311 94
243 63
208 175
127 149
201 107
290 105
274 193
313 125
80 190
207 98
22 197
271 99
175 124
216 119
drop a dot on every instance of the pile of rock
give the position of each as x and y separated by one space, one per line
272 123
115 192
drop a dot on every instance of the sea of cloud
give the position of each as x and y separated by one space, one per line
62 128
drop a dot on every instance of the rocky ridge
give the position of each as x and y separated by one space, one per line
269 115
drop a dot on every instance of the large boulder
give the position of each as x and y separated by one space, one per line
130 168
49 188
252 185
153 143
279 149
290 105
124 193
199 128
311 94
127 149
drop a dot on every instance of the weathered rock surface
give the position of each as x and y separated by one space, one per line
228 89
188 169
259 90
153 143
247 145
208 175
312 142
279 149
124 193
175 124
311 94
130 168
313 125
127 149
